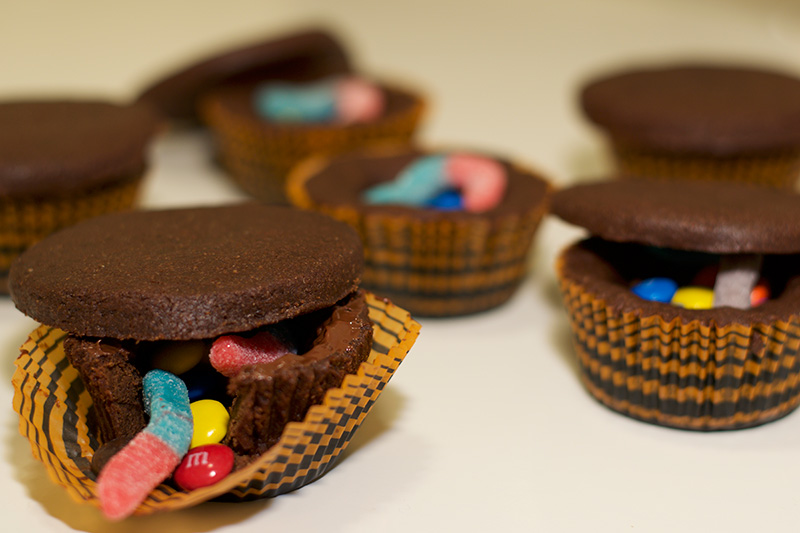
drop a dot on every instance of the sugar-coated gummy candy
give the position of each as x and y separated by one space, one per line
415 185
210 422
203 466
694 297
480 181
229 353
346 100
656 289
154 453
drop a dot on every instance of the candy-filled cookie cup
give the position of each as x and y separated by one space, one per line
260 153
699 122
66 160
433 262
702 369
153 319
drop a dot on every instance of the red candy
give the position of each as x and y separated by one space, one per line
482 181
229 353
203 466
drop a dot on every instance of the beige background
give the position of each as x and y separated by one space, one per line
485 426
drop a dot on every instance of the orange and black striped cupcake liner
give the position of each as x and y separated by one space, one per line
437 267
259 154
54 408
683 374
25 221
773 169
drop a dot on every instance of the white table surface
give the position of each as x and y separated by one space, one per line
485 426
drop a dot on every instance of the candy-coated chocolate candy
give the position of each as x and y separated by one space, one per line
694 297
482 181
203 381
210 422
204 466
706 276
760 293
448 200
179 357
229 353
656 289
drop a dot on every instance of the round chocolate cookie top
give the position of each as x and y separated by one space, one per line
187 273
56 146
702 216
342 181
698 108
300 56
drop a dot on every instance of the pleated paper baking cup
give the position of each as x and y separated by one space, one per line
54 408
259 154
25 221
773 169
438 267
683 374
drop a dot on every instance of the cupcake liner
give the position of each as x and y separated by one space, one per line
54 407
774 169
683 374
259 154
436 266
25 221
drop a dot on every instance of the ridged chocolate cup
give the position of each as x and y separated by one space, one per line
434 263
689 369
259 154
778 169
54 408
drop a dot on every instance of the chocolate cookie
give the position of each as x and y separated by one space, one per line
128 286
56 147
730 366
304 55
700 216
692 108
700 121
187 274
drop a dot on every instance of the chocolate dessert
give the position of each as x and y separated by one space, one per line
730 366
123 286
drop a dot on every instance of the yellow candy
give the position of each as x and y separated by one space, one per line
210 422
179 357
694 298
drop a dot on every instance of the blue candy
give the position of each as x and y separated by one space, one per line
656 289
449 200
285 102
414 186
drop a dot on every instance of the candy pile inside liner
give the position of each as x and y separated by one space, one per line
343 100
186 425
734 282
449 182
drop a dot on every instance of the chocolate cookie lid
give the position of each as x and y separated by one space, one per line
187 273
717 109
299 56
56 146
703 216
